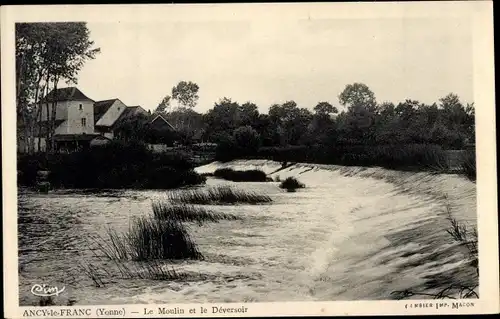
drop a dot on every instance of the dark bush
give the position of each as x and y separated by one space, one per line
226 150
114 165
167 177
27 168
247 139
243 143
291 184
240 176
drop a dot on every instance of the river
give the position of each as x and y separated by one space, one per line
352 234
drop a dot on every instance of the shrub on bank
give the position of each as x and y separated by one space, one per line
168 177
114 165
291 184
241 176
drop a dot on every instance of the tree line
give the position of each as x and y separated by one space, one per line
448 123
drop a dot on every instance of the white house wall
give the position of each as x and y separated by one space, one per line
74 125
70 112
112 114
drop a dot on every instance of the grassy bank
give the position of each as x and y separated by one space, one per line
114 165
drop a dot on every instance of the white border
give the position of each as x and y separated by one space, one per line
481 15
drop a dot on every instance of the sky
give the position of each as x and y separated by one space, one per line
267 62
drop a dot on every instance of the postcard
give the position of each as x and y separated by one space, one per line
230 160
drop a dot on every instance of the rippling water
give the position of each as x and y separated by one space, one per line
351 234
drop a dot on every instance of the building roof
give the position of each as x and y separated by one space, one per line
65 94
156 117
128 112
101 107
137 109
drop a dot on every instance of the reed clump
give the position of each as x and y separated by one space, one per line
143 251
187 213
151 238
219 195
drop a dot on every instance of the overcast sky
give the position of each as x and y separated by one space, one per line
266 61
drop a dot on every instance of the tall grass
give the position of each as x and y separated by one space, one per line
466 237
141 252
93 273
291 184
218 195
155 269
241 176
152 238
468 165
187 213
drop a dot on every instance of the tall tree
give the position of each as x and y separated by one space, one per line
186 94
324 108
322 127
361 112
30 73
221 120
358 96
51 52
164 105
291 121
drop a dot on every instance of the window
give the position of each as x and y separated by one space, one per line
81 107
84 122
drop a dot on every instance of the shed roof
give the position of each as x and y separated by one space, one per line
159 117
101 107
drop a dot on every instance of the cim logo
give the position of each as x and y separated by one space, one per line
46 290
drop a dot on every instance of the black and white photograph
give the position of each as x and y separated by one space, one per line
247 159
